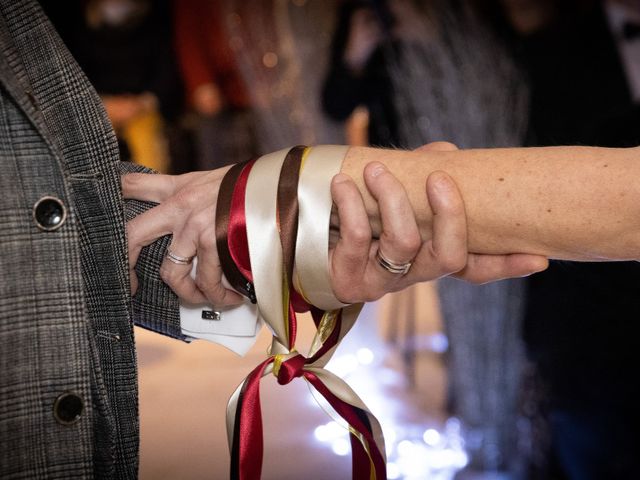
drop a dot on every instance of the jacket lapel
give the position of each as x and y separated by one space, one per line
15 81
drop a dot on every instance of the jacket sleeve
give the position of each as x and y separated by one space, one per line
154 306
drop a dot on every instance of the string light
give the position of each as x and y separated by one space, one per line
413 451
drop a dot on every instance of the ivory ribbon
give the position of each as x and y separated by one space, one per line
265 252
314 200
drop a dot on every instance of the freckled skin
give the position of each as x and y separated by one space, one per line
596 210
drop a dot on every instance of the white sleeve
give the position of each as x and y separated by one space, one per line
235 328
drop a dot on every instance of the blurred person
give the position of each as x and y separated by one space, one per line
215 90
124 47
359 70
583 64
68 386
429 70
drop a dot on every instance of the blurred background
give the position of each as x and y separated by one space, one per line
523 379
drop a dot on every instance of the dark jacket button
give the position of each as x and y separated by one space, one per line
68 408
49 213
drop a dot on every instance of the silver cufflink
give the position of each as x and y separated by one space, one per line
211 315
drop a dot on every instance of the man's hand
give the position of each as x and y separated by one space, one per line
186 210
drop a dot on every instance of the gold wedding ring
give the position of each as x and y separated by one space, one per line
178 260
392 267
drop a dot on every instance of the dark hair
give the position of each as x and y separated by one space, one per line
345 12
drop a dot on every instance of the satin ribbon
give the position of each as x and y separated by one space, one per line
231 198
278 225
314 198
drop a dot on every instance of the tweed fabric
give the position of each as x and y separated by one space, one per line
65 308
155 306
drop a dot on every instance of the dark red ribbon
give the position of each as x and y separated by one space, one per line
230 230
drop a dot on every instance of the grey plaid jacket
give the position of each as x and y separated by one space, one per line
66 338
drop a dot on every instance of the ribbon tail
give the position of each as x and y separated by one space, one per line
244 426
362 467
365 433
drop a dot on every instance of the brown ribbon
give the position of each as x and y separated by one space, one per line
223 207
288 207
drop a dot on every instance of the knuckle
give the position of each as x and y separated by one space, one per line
359 235
341 288
135 178
343 296
187 198
404 244
410 243
133 232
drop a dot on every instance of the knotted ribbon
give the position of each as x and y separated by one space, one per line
272 215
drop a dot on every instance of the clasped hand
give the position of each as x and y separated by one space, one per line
186 210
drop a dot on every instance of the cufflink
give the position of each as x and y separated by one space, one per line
211 315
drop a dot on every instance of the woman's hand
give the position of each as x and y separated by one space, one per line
356 272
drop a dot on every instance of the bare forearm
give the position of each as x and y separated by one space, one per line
580 203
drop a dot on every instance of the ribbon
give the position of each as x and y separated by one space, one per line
262 237
231 192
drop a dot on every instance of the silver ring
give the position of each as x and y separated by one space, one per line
392 267
177 259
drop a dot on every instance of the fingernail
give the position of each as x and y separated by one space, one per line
377 169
